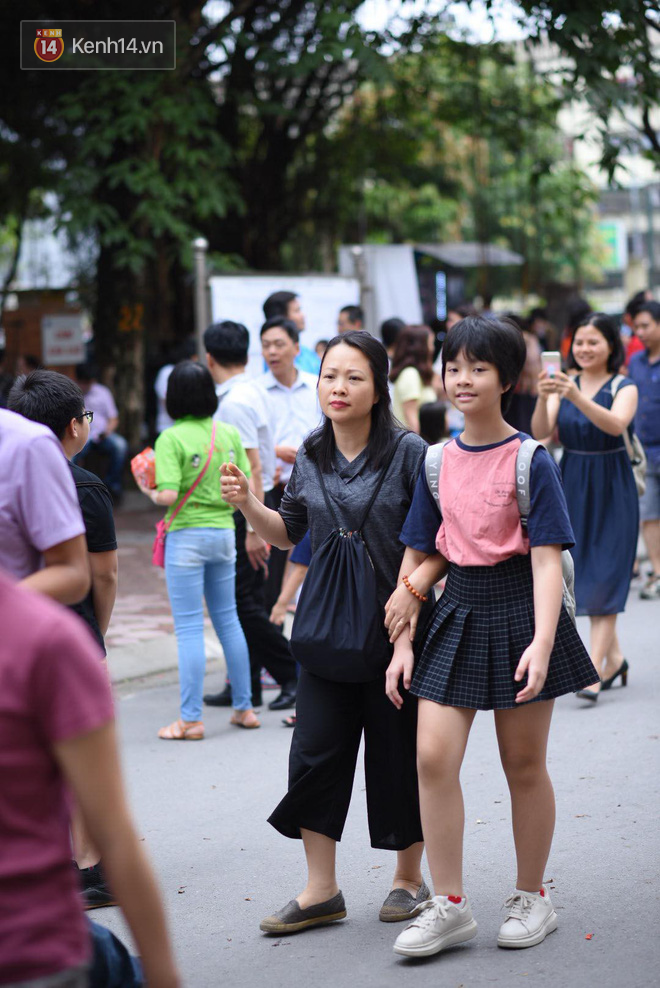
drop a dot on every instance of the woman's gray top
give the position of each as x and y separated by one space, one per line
350 486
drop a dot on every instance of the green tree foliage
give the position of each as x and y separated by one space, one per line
611 57
459 142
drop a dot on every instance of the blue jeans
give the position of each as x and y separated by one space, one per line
115 448
112 965
201 563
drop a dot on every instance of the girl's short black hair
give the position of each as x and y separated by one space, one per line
608 328
496 341
190 391
320 444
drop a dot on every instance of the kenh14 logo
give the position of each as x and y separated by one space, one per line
49 44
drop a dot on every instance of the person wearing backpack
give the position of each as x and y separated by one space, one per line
499 638
594 411
351 485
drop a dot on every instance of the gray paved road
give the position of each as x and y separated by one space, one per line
202 810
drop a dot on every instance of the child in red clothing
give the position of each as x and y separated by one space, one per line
499 639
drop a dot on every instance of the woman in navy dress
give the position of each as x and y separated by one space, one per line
598 480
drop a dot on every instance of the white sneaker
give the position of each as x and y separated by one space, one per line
442 922
531 917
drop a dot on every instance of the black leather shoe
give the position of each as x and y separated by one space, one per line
221 699
285 701
94 888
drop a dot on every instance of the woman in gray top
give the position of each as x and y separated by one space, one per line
350 448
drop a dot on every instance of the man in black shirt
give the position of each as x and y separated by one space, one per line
56 401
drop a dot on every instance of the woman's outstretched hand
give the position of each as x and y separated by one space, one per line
234 487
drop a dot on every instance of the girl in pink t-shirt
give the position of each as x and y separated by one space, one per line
499 638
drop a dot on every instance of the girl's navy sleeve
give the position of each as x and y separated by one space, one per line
424 519
548 522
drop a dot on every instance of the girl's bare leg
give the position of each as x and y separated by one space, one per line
442 734
522 735
85 853
321 852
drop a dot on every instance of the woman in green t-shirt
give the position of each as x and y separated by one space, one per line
200 549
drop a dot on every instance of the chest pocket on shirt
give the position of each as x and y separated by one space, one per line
500 493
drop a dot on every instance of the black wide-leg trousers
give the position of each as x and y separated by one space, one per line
331 719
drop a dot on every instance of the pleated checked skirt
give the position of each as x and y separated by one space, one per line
477 633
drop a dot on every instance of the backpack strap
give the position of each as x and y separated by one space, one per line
432 467
523 465
378 486
376 490
616 383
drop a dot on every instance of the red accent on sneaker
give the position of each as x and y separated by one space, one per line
455 898
542 892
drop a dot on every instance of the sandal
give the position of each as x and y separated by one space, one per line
181 730
245 718
289 721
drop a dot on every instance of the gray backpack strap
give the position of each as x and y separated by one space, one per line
616 384
432 467
523 465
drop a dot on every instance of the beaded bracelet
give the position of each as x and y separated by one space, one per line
408 585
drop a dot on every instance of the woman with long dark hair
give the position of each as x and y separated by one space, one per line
349 451
593 412
412 374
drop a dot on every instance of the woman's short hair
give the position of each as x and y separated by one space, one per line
190 391
608 328
492 340
412 350
320 444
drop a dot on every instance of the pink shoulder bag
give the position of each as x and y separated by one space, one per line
158 550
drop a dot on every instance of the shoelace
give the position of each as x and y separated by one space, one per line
429 912
519 906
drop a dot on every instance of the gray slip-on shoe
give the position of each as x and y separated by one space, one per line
292 918
401 905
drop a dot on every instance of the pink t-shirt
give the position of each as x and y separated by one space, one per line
480 516
53 687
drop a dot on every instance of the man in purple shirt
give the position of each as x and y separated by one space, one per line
102 434
42 535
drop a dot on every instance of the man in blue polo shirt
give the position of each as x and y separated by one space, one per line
644 370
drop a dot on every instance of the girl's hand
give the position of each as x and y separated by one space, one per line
401 609
565 386
149 491
234 487
534 661
546 385
402 664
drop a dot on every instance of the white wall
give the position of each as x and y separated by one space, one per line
241 297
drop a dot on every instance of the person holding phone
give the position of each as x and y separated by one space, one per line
592 416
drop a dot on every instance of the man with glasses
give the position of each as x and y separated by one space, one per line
294 411
57 402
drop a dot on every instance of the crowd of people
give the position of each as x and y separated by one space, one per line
267 482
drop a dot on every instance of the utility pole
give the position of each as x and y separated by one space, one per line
200 246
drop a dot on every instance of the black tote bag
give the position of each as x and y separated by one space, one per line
338 631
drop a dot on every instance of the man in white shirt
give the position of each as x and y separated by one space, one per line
294 412
242 404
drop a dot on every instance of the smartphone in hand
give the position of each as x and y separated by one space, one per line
551 362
